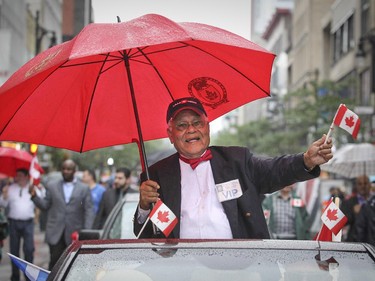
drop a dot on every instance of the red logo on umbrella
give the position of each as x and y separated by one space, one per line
208 90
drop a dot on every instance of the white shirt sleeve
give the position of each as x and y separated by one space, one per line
142 215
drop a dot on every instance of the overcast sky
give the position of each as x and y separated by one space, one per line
232 15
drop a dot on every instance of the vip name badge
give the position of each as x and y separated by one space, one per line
228 190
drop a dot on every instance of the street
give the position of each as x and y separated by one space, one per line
41 255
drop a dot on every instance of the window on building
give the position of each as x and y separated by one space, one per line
347 86
365 12
343 39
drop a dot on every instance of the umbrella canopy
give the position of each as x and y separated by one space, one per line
352 160
13 159
114 81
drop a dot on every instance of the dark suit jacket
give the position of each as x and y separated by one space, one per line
256 177
63 218
109 200
347 207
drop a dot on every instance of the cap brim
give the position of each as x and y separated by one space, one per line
196 110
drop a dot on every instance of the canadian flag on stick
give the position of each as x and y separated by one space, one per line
333 221
334 218
34 171
163 217
347 120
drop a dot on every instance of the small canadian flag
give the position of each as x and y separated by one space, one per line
163 218
334 218
347 120
34 171
297 202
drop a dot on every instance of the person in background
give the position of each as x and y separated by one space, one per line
21 212
70 209
112 195
365 222
4 229
372 189
287 215
215 192
97 190
352 205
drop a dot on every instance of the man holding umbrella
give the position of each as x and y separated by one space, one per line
215 191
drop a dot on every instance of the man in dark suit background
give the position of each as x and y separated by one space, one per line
70 208
112 195
352 205
215 192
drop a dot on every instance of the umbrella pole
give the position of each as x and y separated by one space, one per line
141 145
135 108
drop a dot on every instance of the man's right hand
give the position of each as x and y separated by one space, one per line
32 190
148 194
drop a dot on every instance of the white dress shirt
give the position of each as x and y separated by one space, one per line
68 190
202 215
18 202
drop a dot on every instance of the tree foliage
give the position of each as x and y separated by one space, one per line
304 116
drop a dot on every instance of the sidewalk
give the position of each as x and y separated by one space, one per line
41 255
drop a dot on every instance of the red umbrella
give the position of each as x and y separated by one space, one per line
112 83
12 159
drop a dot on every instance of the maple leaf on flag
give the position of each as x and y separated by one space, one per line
349 121
163 216
332 214
333 218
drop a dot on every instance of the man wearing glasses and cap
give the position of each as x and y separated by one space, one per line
215 192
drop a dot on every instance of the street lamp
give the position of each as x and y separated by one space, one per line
40 32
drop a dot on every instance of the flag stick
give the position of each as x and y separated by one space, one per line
320 230
28 263
329 132
143 227
337 238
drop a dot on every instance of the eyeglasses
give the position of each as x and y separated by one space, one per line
183 126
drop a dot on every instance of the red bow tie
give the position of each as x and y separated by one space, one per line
195 162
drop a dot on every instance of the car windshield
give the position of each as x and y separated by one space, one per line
220 264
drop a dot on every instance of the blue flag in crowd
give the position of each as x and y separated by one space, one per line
33 272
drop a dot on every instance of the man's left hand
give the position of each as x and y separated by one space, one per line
318 153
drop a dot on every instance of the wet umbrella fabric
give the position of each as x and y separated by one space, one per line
112 83
12 159
352 160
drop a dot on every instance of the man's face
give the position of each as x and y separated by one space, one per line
120 181
86 177
68 169
189 133
363 185
21 179
286 190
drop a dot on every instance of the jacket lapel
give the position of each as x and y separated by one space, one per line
172 194
61 190
223 172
